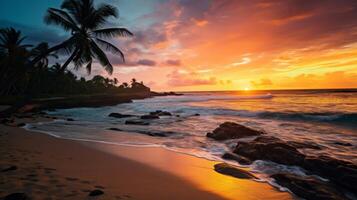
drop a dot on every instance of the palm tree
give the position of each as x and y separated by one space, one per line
14 55
41 50
115 81
84 21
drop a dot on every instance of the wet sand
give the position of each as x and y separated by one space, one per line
52 168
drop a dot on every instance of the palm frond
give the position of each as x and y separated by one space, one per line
101 57
54 17
99 16
73 7
89 67
65 15
110 47
112 32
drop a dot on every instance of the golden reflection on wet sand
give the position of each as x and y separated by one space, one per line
198 171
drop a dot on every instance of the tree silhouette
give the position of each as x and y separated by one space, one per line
84 21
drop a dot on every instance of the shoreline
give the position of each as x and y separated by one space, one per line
183 176
21 105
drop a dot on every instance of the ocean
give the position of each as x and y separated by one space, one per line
325 117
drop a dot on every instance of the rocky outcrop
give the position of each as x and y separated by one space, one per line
231 130
114 129
149 117
96 193
305 145
346 144
16 196
156 134
11 168
118 115
240 159
339 172
309 188
271 149
230 170
136 122
161 113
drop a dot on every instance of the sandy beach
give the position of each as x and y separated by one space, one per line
45 167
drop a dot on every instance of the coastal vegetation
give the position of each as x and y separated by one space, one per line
25 69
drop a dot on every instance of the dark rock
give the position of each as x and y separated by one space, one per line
115 129
230 170
118 115
343 144
240 159
149 117
161 113
156 134
231 130
7 121
304 145
197 114
16 196
271 149
340 172
70 119
21 125
136 122
96 193
11 168
309 188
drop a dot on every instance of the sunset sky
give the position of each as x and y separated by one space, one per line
220 44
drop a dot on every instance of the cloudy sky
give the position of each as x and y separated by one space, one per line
220 44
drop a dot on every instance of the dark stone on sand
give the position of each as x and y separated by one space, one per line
16 196
96 193
7 121
271 149
115 129
156 134
21 125
308 188
118 115
70 119
136 122
231 130
230 170
197 114
161 113
240 159
11 168
149 117
346 144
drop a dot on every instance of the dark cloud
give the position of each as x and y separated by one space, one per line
173 62
146 62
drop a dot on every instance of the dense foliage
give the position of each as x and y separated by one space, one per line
25 70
